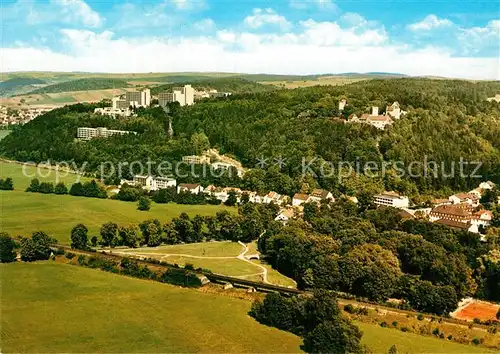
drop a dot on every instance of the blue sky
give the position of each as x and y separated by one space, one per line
448 38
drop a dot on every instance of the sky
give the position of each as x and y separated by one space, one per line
451 38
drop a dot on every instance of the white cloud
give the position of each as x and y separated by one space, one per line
317 4
187 5
78 10
429 23
262 17
204 25
320 47
476 38
56 11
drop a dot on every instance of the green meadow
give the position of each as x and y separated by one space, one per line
51 307
22 213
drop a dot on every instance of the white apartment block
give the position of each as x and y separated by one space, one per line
196 160
132 99
154 183
113 112
392 199
85 133
184 95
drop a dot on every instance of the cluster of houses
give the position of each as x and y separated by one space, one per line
21 116
375 119
461 211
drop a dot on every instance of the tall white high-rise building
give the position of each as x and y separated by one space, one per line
184 95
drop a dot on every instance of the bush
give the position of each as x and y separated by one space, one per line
435 331
7 248
450 337
189 266
349 308
405 329
82 260
69 255
420 317
476 341
144 204
383 324
6 184
394 323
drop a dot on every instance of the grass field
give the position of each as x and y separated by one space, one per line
4 133
205 249
63 308
219 257
50 307
22 213
22 175
325 80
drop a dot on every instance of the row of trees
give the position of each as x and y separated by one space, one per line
245 227
6 184
317 319
34 248
88 189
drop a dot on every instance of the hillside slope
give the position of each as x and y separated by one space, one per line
83 85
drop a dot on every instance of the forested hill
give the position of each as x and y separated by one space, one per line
83 85
11 85
447 121
226 84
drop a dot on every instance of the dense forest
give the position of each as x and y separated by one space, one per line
448 120
83 85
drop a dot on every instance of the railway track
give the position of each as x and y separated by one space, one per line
265 287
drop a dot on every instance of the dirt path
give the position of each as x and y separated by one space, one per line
242 257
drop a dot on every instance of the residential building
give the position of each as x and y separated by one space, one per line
215 94
394 111
496 98
184 95
374 119
318 195
463 213
138 98
110 111
119 103
196 160
191 188
272 197
227 166
469 198
85 133
342 104
438 202
285 215
299 199
392 199
154 183
487 185
457 225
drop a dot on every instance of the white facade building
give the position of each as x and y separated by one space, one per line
85 133
154 183
392 199
184 95
191 188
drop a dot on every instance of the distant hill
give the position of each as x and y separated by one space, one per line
16 84
83 85
226 84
